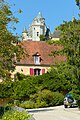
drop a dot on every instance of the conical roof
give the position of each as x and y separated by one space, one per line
39 16
24 30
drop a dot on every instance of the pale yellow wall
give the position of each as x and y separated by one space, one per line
55 39
26 69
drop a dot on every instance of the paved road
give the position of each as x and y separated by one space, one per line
56 113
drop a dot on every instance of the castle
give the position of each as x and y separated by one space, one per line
37 28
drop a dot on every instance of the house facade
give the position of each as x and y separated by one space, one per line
38 60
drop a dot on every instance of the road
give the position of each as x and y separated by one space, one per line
55 113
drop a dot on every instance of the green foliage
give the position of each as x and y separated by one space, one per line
23 89
78 3
78 102
18 89
4 109
59 79
70 39
42 38
27 105
31 104
44 98
20 76
15 115
58 99
6 90
8 42
71 42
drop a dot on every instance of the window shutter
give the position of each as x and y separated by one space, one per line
31 71
43 71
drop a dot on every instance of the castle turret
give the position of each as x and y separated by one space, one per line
37 27
24 34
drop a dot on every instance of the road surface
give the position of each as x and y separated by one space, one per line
55 113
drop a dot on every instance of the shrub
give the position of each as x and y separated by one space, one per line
48 97
27 105
40 104
16 102
16 115
30 104
44 98
57 99
78 102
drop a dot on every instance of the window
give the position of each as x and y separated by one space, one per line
37 33
36 60
36 72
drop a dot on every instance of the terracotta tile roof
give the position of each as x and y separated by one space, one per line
43 49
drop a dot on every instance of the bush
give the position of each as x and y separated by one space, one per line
16 102
40 104
58 99
4 109
48 97
1 111
44 98
78 102
30 104
15 115
27 105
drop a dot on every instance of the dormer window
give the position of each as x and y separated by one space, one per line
36 58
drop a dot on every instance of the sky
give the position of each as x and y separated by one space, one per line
54 12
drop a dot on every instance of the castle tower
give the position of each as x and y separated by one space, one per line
24 34
37 28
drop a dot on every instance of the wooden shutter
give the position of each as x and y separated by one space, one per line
43 71
31 71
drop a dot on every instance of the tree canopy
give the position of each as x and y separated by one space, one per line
8 41
78 3
70 40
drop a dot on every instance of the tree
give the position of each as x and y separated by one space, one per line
42 38
78 3
8 42
70 40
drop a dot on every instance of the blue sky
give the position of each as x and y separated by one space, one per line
54 12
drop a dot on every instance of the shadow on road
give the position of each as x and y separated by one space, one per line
39 110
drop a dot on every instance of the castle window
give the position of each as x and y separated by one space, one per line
37 33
